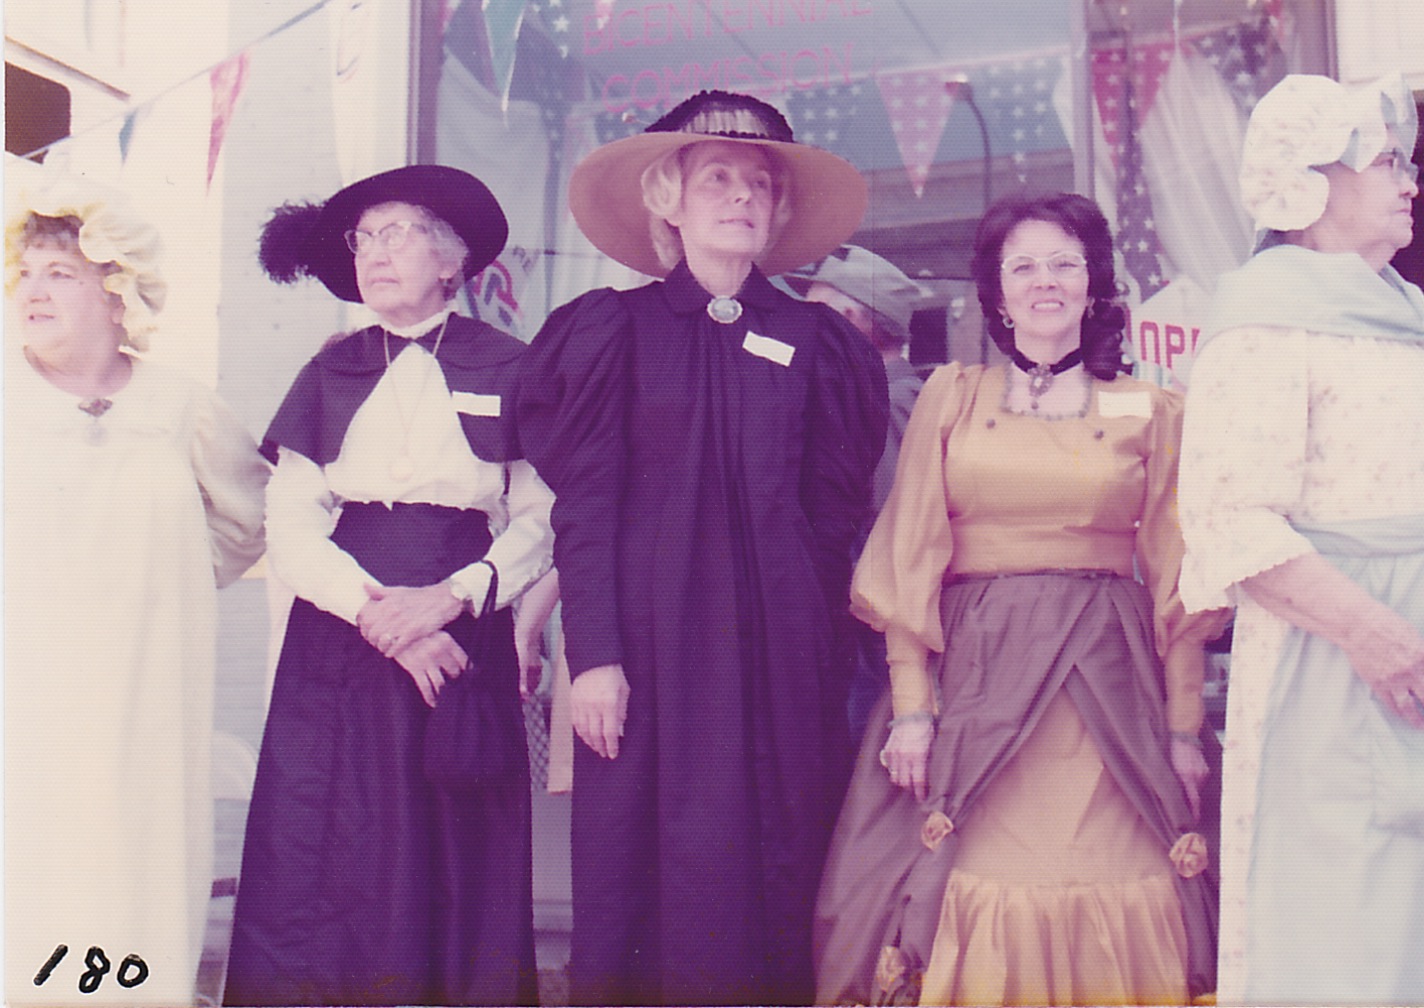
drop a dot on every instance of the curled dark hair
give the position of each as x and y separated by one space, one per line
1103 323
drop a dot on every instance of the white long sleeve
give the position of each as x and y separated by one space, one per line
300 518
405 444
523 552
1287 426
231 476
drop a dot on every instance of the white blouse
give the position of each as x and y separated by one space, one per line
410 414
1286 425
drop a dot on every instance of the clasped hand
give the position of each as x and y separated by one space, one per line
431 662
395 618
405 624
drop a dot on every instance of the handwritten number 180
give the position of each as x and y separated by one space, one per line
132 970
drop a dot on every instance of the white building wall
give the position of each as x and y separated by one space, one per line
1374 37
324 100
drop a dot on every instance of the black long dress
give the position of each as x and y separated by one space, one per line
361 883
709 483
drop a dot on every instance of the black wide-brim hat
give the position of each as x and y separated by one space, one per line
310 240
828 196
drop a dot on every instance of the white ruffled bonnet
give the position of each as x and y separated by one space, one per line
1305 121
110 232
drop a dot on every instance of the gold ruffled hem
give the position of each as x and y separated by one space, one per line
1103 944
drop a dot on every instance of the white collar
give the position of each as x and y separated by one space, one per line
422 327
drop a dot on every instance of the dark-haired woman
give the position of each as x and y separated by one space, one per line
1021 825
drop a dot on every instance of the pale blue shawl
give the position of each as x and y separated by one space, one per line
1327 292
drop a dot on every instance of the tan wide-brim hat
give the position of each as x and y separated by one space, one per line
828 196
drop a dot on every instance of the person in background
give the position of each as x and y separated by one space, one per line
872 294
364 881
131 493
875 296
1021 828
1302 500
710 440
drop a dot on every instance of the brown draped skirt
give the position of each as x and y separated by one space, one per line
1037 872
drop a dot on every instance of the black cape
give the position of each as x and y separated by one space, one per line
330 388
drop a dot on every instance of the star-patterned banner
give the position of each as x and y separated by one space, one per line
906 126
1136 227
845 119
918 106
1016 97
1125 82
1119 76
1247 55
559 25
906 118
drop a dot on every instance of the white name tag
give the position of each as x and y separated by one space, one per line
476 404
1124 404
771 349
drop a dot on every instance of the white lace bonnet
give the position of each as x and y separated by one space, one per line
1305 121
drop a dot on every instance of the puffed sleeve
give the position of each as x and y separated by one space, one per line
1178 636
231 476
896 586
572 421
1243 462
848 411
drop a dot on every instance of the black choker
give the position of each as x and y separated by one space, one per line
1040 376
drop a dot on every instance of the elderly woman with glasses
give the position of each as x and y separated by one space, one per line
1021 826
398 511
1303 502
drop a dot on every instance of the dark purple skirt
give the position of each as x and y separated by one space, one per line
361 883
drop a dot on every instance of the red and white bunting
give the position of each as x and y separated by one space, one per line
1147 63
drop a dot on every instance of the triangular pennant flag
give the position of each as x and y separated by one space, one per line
918 105
126 132
503 19
1120 76
1151 63
1275 17
227 79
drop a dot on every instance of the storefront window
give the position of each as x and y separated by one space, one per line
944 105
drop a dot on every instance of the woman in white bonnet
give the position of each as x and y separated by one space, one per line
1302 500
131 494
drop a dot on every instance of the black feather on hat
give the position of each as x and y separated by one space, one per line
284 234
309 240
